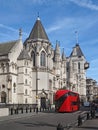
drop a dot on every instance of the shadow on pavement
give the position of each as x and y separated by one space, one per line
37 124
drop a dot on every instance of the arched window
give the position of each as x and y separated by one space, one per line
26 91
42 59
26 101
33 57
79 67
14 87
26 81
3 97
7 67
3 68
25 71
50 83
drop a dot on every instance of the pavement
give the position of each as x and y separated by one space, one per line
19 116
90 124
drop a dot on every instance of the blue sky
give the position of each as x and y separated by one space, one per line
60 18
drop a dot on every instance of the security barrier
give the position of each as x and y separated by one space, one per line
80 119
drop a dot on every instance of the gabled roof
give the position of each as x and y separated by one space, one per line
6 47
38 31
24 55
77 51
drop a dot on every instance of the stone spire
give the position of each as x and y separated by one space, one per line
38 31
57 53
20 34
57 49
63 55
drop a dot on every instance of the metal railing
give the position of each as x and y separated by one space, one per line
81 118
19 108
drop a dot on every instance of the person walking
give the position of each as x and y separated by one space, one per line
92 110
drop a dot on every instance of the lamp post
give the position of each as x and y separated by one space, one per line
37 91
37 85
77 82
8 94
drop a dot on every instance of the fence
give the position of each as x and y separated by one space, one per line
81 118
19 108
26 108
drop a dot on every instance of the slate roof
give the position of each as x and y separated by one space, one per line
6 47
38 31
78 50
24 55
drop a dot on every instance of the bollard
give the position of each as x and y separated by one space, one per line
21 110
34 109
30 109
92 114
60 127
37 110
17 110
26 110
11 111
88 115
79 120
40 109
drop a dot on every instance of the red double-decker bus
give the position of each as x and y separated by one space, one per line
66 101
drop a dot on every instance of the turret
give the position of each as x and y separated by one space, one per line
63 56
57 53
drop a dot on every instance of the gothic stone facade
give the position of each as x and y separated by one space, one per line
33 71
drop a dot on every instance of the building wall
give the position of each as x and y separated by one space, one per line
28 83
8 74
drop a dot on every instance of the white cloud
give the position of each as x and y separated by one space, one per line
49 2
86 3
37 1
52 28
2 26
3 35
8 28
72 24
60 24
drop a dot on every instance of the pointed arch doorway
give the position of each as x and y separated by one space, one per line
3 97
43 99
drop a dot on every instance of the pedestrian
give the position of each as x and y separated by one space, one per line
79 120
92 110
92 106
36 109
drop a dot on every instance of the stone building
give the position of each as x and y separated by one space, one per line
91 89
31 72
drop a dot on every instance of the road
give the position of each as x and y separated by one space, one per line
40 121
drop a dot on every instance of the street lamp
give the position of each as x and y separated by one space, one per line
37 85
37 90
